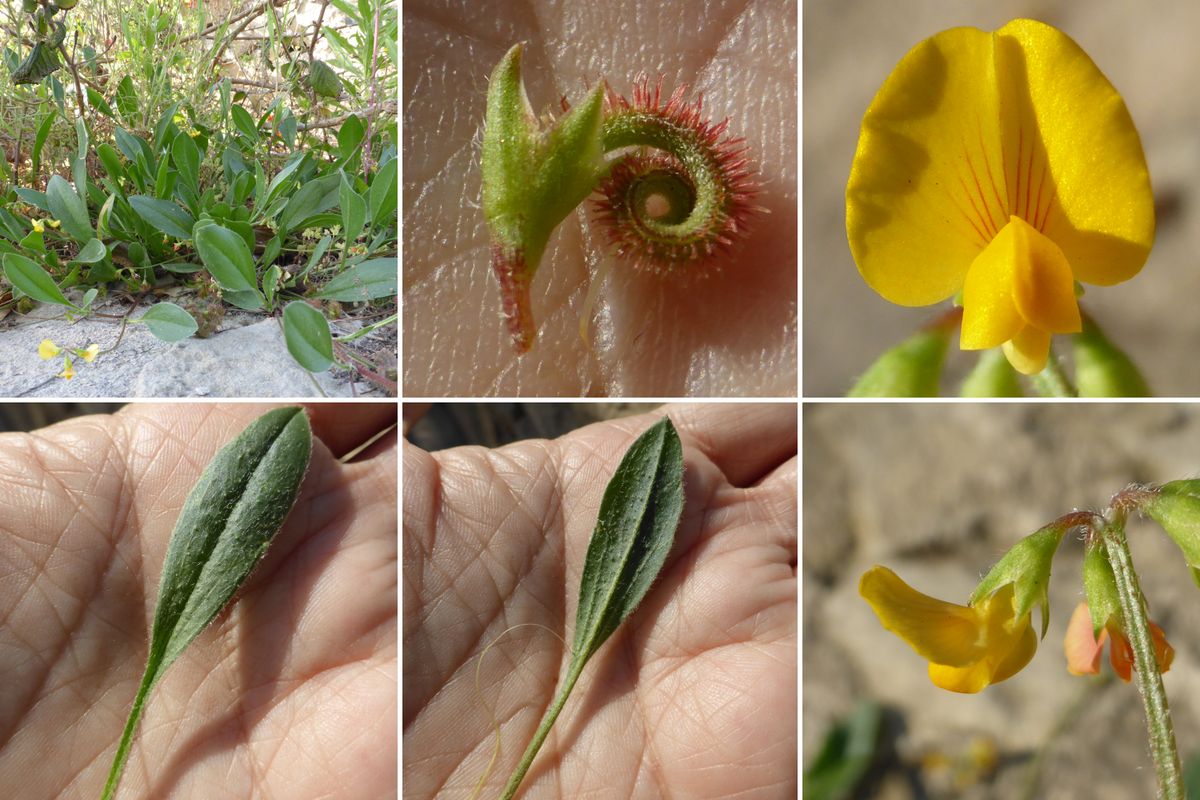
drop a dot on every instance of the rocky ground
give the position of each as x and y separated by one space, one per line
247 357
938 493
1146 50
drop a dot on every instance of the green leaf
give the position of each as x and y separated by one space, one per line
232 513
34 281
244 122
168 322
323 80
369 280
350 138
306 332
227 257
381 197
186 156
66 206
39 141
92 252
633 536
910 369
1102 369
354 210
271 283
163 215
127 102
79 163
41 62
313 198
846 755
97 101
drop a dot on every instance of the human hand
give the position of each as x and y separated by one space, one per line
695 696
291 692
732 333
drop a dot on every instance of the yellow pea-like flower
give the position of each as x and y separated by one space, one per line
1005 166
48 350
968 647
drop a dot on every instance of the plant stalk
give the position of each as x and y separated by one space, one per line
539 736
1149 679
1052 381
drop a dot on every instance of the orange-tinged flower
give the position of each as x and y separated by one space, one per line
1083 648
968 647
1004 166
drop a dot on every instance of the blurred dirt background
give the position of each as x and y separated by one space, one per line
938 493
1148 52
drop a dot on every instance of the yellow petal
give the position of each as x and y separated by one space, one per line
944 633
1009 644
1043 287
48 350
926 188
974 128
1072 126
1028 351
990 314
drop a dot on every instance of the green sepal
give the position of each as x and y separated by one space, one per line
1027 567
1176 507
992 376
1102 369
534 177
1100 587
910 369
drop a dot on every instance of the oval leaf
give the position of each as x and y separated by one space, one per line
313 198
634 532
186 156
354 210
369 280
92 252
169 322
34 281
229 518
306 332
227 257
163 215
66 206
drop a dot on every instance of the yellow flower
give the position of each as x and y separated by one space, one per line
89 355
1005 166
68 369
48 350
38 226
968 647
53 223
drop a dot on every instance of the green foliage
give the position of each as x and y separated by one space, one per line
172 174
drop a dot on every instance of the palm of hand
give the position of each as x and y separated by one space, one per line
291 692
688 699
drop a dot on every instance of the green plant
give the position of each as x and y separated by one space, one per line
634 532
235 509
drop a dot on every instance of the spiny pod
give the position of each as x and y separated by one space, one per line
675 190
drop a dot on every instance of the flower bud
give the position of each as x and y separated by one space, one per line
910 369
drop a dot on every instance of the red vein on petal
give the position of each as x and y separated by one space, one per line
988 164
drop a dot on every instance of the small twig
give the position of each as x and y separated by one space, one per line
312 45
370 112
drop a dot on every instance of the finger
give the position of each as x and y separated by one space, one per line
343 427
746 441
775 501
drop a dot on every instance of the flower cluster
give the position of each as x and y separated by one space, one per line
48 350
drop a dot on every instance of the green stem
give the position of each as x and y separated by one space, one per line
1149 680
535 744
1052 381
135 716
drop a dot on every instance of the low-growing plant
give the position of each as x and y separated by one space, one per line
266 211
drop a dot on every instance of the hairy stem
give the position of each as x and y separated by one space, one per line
1052 381
535 744
1149 679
